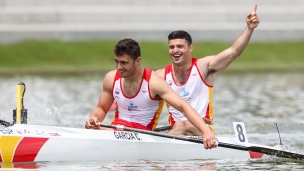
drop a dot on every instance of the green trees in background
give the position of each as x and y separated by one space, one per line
97 56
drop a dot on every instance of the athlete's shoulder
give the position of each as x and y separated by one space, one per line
160 72
203 62
110 75
156 74
205 58
108 80
157 84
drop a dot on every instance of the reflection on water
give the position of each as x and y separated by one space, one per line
258 99
29 165
253 164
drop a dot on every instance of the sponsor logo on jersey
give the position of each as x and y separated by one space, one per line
117 91
132 107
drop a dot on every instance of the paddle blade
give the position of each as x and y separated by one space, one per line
278 153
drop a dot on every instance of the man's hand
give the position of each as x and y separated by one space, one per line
209 139
252 19
92 123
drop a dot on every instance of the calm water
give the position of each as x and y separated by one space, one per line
260 100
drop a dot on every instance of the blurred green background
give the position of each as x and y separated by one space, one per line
58 57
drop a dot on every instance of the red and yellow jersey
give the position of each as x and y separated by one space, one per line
140 111
195 91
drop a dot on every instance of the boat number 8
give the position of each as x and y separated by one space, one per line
240 131
241 135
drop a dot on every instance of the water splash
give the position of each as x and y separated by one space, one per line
289 148
43 113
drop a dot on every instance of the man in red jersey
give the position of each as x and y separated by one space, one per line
193 78
139 93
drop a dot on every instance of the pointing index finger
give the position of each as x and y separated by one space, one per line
254 9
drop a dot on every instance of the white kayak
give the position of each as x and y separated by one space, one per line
33 143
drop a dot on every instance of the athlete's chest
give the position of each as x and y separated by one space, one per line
130 90
181 78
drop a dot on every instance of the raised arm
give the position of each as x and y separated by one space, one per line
222 60
158 86
105 101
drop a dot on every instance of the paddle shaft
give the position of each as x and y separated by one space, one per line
164 128
264 150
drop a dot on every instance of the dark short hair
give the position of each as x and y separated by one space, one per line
180 34
129 47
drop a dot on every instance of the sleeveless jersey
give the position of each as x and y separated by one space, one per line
141 110
195 91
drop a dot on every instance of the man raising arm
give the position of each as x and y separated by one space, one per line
193 78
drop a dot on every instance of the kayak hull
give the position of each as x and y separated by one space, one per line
33 143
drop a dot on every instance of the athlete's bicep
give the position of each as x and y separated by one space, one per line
106 97
222 60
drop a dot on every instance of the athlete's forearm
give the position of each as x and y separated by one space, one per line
241 42
98 113
224 59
